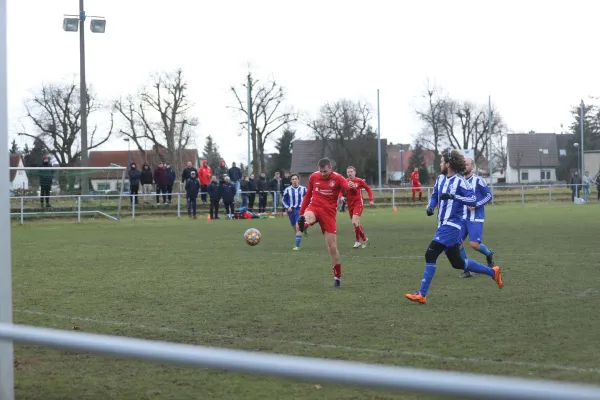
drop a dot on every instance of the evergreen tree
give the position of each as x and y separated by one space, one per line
417 160
33 158
283 159
14 148
211 154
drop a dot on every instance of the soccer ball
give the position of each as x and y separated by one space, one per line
252 236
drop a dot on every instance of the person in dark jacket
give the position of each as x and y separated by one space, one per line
214 191
575 186
235 174
45 181
146 182
134 182
251 193
160 179
170 174
262 190
285 181
192 189
222 172
228 194
186 173
276 189
244 190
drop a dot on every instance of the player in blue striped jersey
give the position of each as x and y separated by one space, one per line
292 201
450 193
473 217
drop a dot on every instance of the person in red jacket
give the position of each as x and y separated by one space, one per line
356 205
416 184
204 175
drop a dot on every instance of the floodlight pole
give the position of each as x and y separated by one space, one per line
7 391
249 90
83 98
581 124
378 144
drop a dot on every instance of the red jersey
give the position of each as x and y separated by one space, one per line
323 193
354 197
414 178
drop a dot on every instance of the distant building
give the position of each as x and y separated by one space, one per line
533 157
18 178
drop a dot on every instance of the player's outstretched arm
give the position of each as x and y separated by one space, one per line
465 194
483 193
368 189
307 196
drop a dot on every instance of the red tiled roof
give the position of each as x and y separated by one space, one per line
14 162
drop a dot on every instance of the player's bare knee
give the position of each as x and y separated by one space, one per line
474 245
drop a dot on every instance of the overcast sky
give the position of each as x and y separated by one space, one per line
535 58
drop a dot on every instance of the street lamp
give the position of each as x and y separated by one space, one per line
576 145
541 152
74 23
402 163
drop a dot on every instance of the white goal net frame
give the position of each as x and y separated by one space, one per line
80 203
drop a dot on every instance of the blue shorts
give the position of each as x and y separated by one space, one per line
473 229
294 215
447 235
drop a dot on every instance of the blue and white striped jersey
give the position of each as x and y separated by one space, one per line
450 211
482 195
292 197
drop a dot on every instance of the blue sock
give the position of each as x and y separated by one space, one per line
463 253
427 278
474 266
484 250
298 240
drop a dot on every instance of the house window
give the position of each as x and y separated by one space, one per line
545 175
103 186
545 151
524 175
562 152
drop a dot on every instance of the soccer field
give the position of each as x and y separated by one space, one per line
197 282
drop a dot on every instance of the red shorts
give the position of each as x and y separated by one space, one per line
325 219
416 189
356 210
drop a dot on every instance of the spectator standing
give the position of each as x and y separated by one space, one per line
244 189
235 174
146 182
171 177
45 181
587 184
263 193
192 188
251 192
186 173
286 181
134 182
575 185
228 194
598 185
214 191
276 188
160 179
204 175
222 172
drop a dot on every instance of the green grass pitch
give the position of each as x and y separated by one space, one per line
197 282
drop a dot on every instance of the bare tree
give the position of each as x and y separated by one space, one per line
55 111
268 114
432 114
518 158
160 115
500 155
343 127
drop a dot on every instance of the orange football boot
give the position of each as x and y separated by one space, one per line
498 277
416 297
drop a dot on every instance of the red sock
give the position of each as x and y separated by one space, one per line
362 233
357 232
306 225
337 271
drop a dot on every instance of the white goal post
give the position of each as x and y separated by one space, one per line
54 190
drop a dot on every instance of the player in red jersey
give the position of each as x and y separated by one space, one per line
320 205
354 198
416 184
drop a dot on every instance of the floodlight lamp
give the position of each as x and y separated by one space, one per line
98 25
70 24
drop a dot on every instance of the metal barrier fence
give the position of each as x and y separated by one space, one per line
463 385
117 206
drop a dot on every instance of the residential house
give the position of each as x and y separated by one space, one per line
110 180
306 154
592 162
398 160
532 157
18 178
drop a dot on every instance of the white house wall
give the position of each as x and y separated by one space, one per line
534 175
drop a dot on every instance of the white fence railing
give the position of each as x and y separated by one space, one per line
114 206
462 385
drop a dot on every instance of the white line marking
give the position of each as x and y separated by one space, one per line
476 360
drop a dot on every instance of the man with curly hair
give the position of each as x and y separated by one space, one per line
450 193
